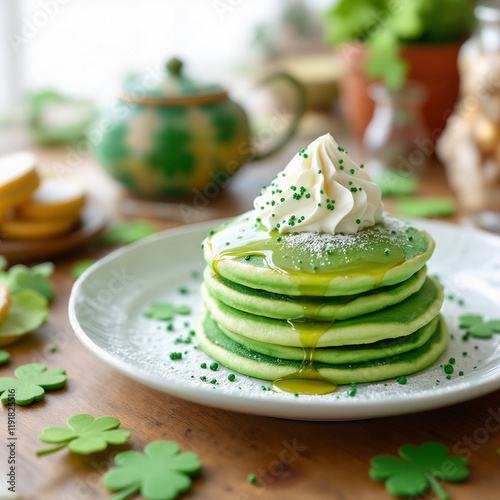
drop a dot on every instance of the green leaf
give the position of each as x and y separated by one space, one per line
162 473
384 60
80 267
28 311
127 232
418 470
32 381
37 278
4 357
164 311
85 435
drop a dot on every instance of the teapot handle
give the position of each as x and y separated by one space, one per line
292 127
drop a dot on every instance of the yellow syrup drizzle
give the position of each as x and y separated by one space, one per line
306 380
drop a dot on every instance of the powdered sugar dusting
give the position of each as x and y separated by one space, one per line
320 245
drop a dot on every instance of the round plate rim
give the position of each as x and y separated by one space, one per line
352 409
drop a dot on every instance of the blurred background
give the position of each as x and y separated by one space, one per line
156 105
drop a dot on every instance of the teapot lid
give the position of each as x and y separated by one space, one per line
172 89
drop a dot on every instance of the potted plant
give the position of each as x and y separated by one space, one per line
395 40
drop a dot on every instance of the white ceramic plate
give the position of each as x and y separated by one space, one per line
108 302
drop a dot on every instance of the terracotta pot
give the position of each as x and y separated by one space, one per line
435 66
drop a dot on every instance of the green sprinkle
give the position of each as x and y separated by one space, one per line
247 257
352 170
203 378
319 172
170 327
214 366
52 348
213 381
203 365
282 199
175 355
352 391
461 373
402 380
231 377
387 251
183 290
448 377
452 361
358 221
252 478
448 369
296 394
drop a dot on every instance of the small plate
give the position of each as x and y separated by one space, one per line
94 220
108 303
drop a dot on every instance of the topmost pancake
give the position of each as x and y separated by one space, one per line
244 251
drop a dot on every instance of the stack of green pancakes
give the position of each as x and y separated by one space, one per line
352 307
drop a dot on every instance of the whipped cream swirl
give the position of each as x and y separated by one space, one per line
321 190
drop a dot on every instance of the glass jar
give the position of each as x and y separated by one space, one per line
470 145
393 134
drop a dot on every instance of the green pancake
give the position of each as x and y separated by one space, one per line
243 360
395 321
311 264
272 305
342 354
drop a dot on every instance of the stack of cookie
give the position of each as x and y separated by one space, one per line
32 208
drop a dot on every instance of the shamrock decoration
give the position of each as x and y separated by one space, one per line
31 381
162 473
419 469
37 278
165 311
28 310
126 232
86 435
4 357
476 327
80 267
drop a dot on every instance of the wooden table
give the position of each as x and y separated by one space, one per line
331 459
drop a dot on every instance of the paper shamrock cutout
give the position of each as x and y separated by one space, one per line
126 232
476 327
36 278
32 381
4 357
162 473
80 267
419 469
165 311
28 310
85 435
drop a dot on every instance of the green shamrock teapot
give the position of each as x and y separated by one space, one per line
170 137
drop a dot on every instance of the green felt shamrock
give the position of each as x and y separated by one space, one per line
475 326
32 380
4 357
80 267
426 207
393 183
86 435
419 469
162 473
36 278
165 311
28 310
126 232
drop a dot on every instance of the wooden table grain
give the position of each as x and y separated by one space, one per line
293 460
